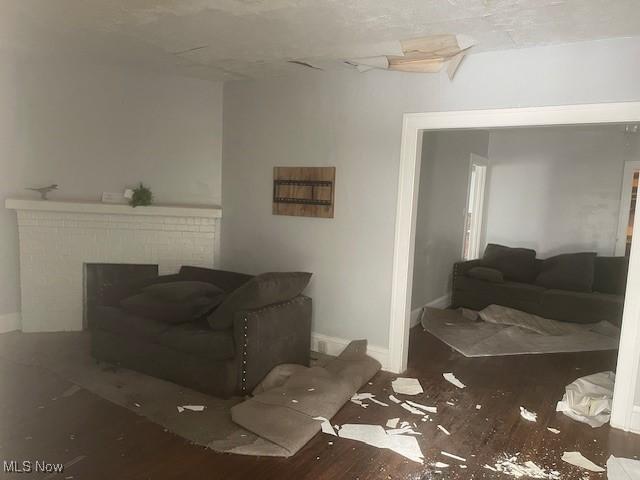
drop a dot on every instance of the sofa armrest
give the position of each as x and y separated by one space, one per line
269 336
459 270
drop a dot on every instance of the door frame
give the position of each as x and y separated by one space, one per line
625 203
479 160
413 124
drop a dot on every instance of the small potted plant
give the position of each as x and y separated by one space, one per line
142 196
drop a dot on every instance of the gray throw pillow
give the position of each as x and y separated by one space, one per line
149 306
570 271
517 264
182 290
260 291
487 274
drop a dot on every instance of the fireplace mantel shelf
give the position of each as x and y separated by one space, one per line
112 209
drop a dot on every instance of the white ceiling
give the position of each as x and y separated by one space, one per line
253 38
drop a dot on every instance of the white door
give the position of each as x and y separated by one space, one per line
627 207
474 211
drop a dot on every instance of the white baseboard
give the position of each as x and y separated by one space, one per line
441 302
334 346
635 420
10 322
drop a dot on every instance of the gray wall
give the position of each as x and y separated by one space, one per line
444 178
93 129
353 121
557 189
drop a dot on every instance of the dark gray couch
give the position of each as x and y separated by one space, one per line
604 301
220 362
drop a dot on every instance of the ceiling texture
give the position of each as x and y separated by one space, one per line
237 39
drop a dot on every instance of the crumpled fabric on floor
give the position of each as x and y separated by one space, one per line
588 399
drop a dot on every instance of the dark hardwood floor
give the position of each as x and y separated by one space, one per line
109 442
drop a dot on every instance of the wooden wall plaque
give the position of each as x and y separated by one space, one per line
304 191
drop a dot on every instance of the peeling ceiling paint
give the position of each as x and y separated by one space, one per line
234 39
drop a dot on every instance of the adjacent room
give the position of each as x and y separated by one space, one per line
319 240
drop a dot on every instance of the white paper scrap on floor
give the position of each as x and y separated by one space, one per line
407 386
376 436
619 468
577 459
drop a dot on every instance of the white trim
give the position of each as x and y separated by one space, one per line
440 302
10 322
110 208
334 346
475 197
625 205
409 175
634 426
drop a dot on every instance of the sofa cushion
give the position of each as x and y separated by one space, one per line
486 273
227 281
197 338
581 307
117 321
260 291
517 264
182 290
147 305
570 271
610 275
478 294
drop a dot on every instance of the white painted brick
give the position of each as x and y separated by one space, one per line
55 245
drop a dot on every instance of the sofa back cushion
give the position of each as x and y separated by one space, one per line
148 305
227 281
181 291
260 291
570 271
610 275
517 264
486 273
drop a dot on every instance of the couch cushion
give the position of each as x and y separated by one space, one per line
581 307
227 281
197 338
517 264
260 291
478 294
610 275
570 271
486 273
147 305
117 321
182 290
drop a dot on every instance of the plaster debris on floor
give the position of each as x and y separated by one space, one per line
411 409
509 465
359 398
619 468
392 422
455 457
376 436
528 415
394 399
578 460
553 430
444 430
440 465
325 426
478 407
407 386
451 378
426 408
192 408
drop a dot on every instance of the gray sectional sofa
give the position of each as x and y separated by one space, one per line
223 342
579 288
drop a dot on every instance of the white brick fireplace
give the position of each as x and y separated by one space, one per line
58 238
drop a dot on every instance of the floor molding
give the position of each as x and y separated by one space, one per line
10 322
334 346
635 420
441 302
